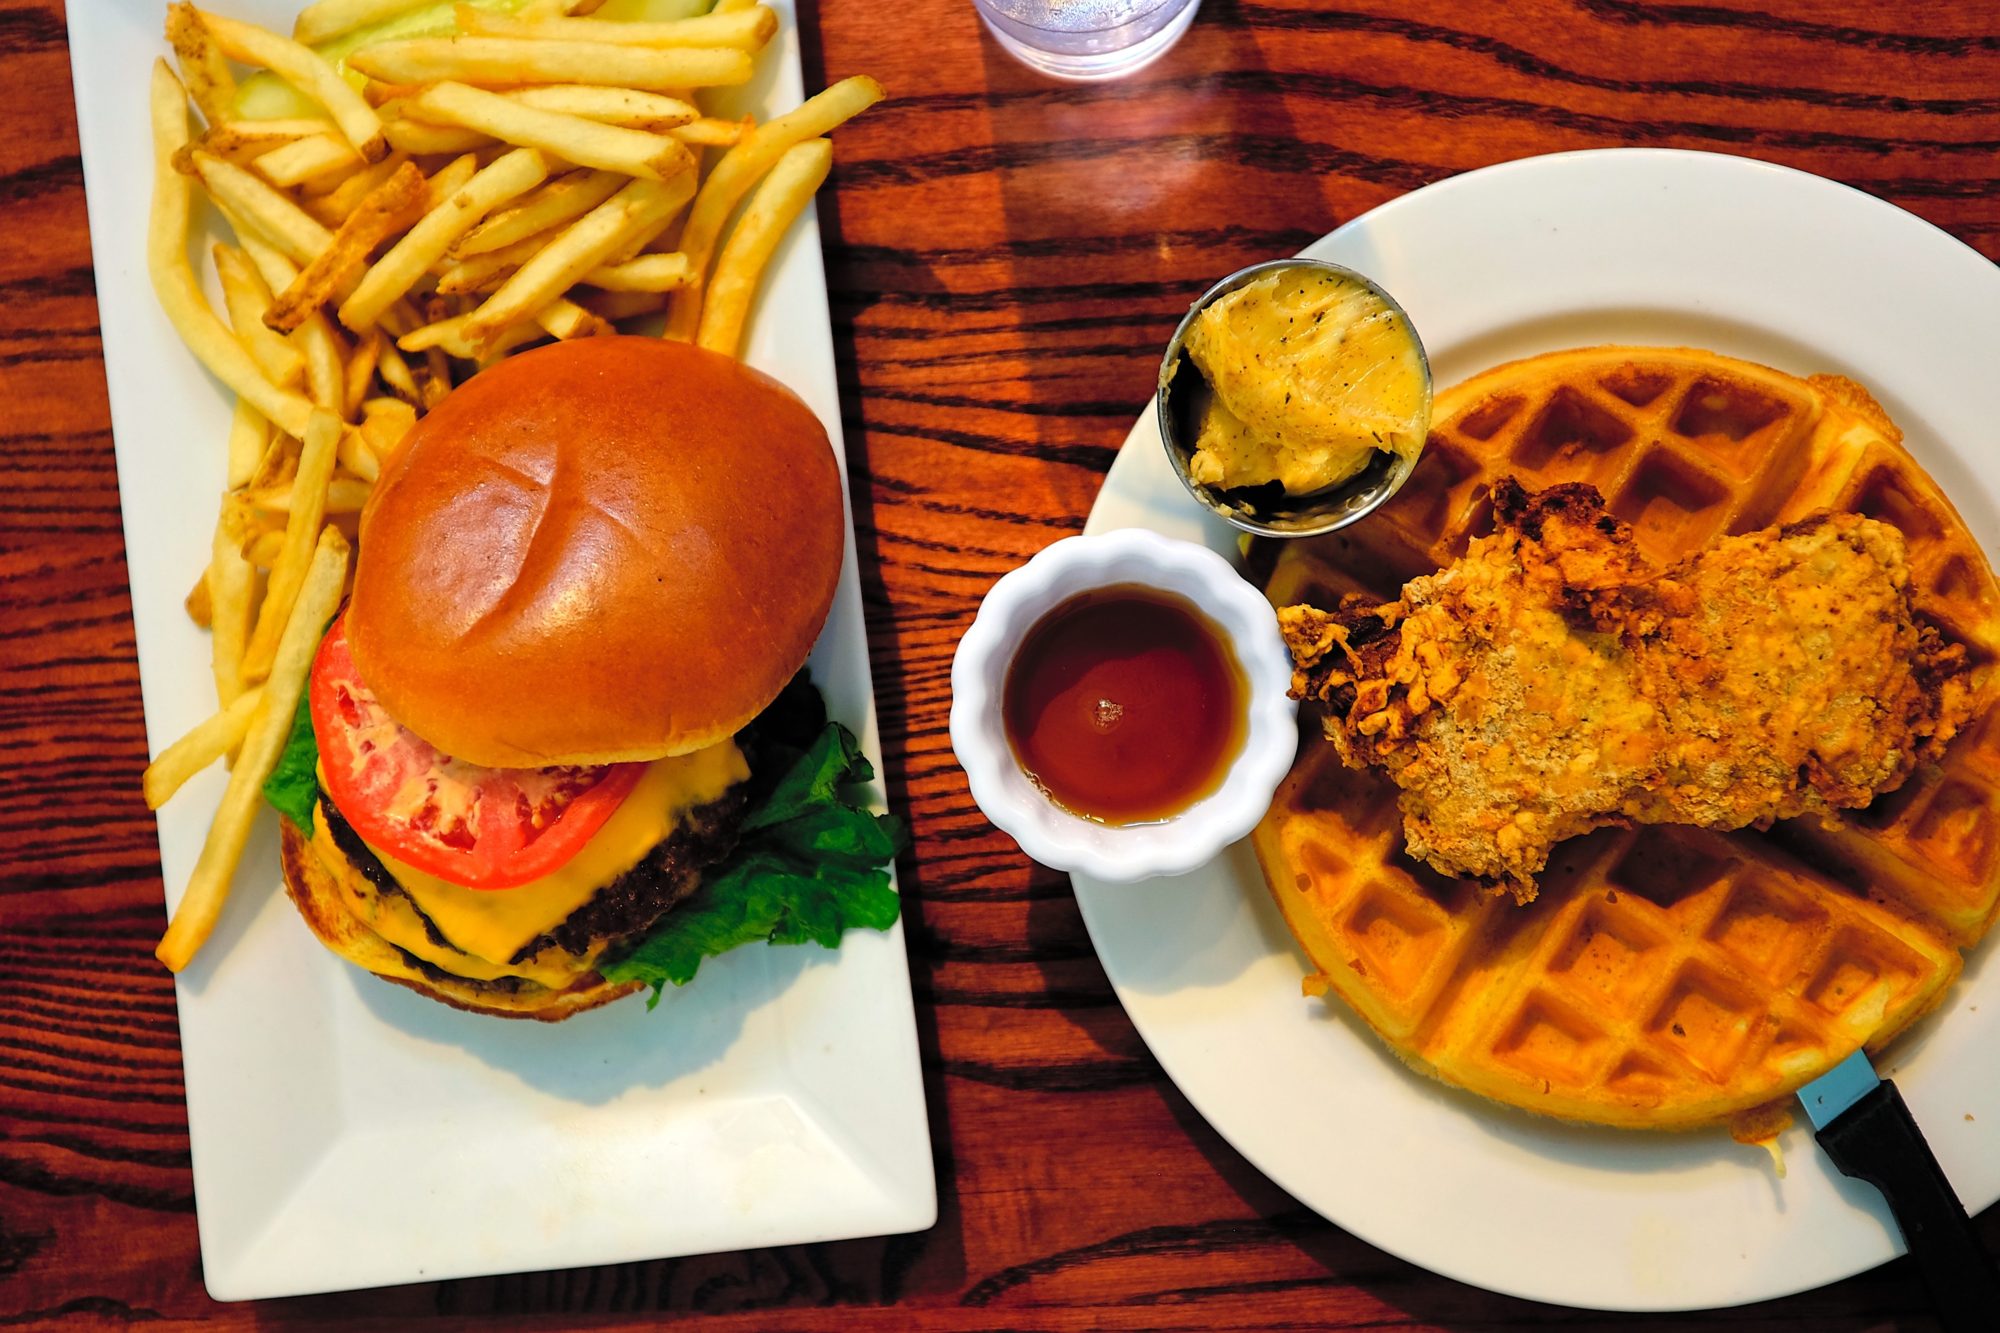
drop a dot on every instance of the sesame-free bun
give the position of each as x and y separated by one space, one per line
610 549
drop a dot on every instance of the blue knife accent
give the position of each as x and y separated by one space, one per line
1838 1088
1869 1134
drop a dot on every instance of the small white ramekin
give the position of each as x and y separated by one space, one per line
1047 832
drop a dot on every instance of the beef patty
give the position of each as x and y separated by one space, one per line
626 908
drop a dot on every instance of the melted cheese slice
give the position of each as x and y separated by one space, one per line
488 927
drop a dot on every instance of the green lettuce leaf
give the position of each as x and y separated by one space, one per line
813 782
810 867
293 786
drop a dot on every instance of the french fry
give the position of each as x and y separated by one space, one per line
326 182
280 463
566 319
341 495
274 217
361 373
262 549
203 66
204 743
784 194
587 143
511 61
381 94
583 245
426 242
745 29
283 129
401 317
232 589
326 364
246 298
395 410
334 202
449 179
741 167
421 138
244 141
629 107
309 72
305 511
708 132
327 19
325 360
249 433
437 378
647 273
617 306
443 333
454 336
270 726
357 457
384 423
640 240
562 200
272 265
507 340
300 160
173 279
487 154
392 207
395 372
482 275
197 604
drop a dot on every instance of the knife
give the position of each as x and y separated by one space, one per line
1867 1131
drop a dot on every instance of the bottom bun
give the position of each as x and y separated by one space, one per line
314 892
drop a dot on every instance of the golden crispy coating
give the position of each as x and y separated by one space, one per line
1549 682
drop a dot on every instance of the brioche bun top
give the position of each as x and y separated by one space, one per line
603 550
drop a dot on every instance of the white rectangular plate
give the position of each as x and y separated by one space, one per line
348 1133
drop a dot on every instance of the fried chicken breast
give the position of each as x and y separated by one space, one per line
1550 682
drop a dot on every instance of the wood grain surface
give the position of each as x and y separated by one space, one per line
1006 257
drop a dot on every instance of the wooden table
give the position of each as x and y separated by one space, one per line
1007 256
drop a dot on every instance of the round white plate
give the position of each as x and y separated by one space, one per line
1635 246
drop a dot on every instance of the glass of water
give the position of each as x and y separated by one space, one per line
1086 39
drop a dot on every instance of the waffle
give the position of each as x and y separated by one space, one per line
1667 977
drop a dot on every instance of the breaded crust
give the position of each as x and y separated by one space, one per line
1551 681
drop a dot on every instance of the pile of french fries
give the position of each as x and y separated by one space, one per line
529 175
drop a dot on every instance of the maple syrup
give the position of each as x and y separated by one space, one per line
1125 704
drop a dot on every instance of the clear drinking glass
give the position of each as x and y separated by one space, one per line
1086 39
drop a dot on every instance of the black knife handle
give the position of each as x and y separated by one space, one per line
1877 1140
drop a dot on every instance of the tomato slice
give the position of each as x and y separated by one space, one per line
485 828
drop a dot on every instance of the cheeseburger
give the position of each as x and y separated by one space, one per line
581 580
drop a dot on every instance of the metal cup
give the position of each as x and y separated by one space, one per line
1178 402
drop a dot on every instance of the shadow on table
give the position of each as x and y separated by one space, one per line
629 1047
